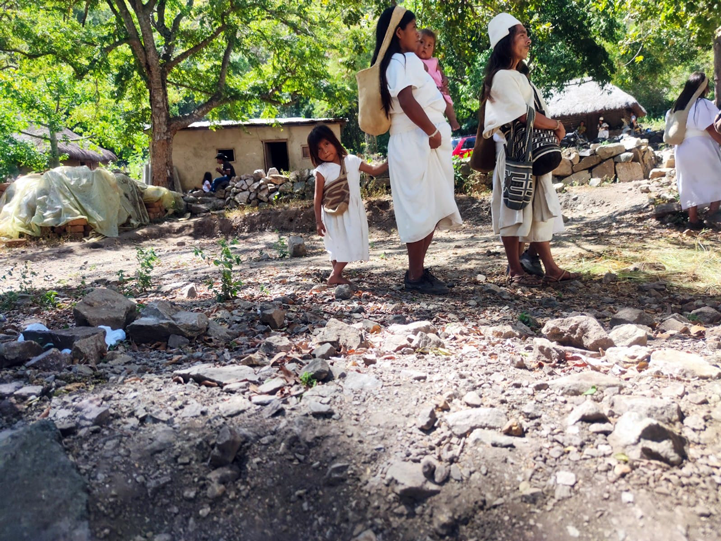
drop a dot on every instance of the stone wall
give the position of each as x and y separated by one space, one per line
630 159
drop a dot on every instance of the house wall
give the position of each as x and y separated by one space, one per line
194 150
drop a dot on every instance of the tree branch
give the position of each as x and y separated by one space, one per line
199 47
193 88
135 42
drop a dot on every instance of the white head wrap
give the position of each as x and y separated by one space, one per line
499 26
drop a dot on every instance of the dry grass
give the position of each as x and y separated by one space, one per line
687 263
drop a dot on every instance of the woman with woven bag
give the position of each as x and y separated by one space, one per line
419 150
698 156
510 97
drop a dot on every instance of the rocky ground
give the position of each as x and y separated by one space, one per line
586 411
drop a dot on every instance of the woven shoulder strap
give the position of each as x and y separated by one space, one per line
398 13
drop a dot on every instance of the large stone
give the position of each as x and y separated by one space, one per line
45 498
276 344
564 169
226 447
547 352
221 375
464 421
606 169
659 172
643 437
624 157
148 330
413 328
628 335
578 331
660 211
626 172
296 246
356 381
53 360
408 481
159 310
609 151
104 307
632 316
587 163
219 332
680 364
87 344
318 369
664 411
339 334
17 353
571 154
588 412
579 383
273 317
191 324
707 315
581 177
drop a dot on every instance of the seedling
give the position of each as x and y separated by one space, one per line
307 379
281 247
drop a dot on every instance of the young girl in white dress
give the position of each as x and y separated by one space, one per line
345 235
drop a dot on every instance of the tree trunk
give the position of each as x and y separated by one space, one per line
161 147
717 66
54 153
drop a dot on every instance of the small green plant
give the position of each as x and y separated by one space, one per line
525 319
307 379
264 289
8 300
383 256
281 246
693 317
147 259
48 299
225 261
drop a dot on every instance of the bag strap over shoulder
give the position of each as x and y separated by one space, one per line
398 13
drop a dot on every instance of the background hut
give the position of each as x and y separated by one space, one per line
78 149
585 99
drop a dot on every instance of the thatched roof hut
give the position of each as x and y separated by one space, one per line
585 99
79 150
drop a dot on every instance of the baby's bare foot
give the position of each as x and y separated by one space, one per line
335 280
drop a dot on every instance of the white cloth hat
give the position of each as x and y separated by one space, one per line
499 26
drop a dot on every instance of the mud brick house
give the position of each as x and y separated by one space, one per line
249 145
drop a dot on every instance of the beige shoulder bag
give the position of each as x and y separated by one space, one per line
336 195
675 130
372 118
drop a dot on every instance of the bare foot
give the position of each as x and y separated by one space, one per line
335 280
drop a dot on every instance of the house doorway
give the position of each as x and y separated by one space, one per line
276 155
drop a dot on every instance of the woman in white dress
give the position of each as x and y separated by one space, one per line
419 150
509 92
698 158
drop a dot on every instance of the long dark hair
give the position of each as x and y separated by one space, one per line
692 85
318 134
501 59
381 28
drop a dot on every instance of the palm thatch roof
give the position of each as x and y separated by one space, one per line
586 96
75 146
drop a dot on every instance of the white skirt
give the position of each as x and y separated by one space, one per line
528 224
346 236
698 171
422 183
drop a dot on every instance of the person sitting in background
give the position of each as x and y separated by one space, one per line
602 129
581 130
225 169
207 181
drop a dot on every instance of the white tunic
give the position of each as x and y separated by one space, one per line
512 93
698 158
421 177
346 237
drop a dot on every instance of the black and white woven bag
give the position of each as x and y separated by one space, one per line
518 177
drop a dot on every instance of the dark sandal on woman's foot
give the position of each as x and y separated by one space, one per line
526 280
565 276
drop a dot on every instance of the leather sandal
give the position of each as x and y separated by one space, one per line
565 276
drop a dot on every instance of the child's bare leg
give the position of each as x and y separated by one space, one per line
451 115
337 276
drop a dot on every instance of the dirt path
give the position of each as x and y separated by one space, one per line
346 459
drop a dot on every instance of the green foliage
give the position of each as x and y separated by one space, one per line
525 319
307 379
147 259
226 260
281 247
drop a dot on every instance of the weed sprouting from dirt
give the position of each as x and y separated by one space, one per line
281 246
226 260
147 259
307 379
